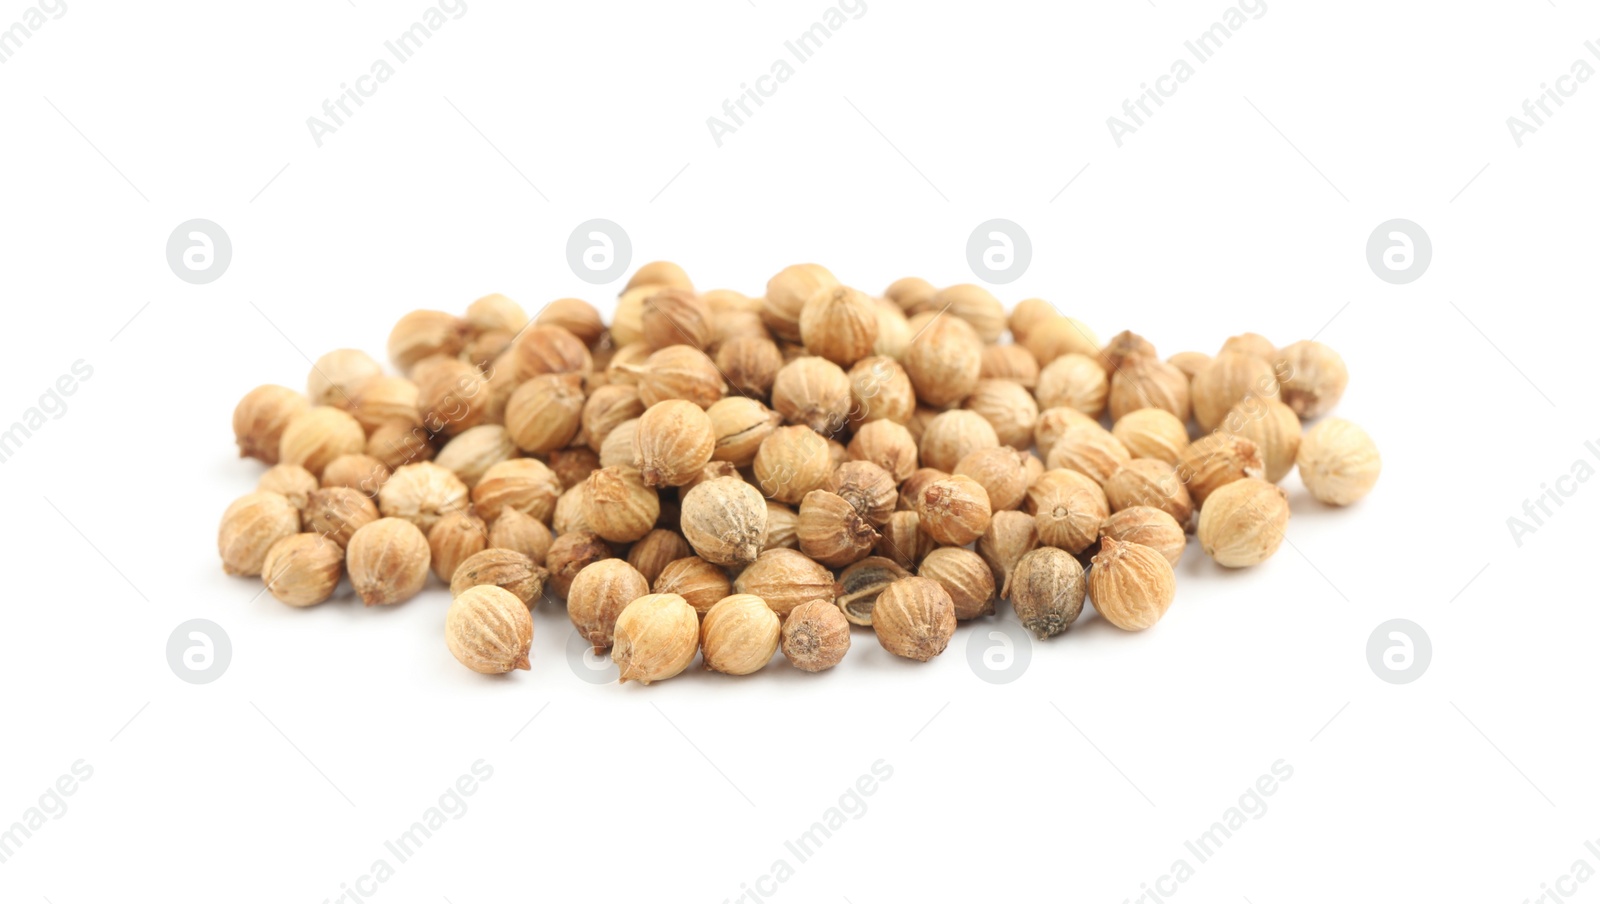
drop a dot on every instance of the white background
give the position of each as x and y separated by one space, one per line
335 728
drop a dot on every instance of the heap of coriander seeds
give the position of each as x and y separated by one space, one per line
722 476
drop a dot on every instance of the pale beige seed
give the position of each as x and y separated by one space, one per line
1152 433
473 452
787 293
598 595
1242 524
303 569
975 305
504 568
423 334
422 493
943 361
1002 472
618 505
489 630
1215 460
250 526
953 435
453 539
1009 409
831 531
1145 382
725 521
1068 509
657 636
1339 463
388 561
357 471
791 462
522 533
954 510
1075 381
1230 378
524 484
1091 451
1132 586
880 389
317 436
739 635
337 376
965 576
696 580
1011 535
1273 427
545 412
1009 362
840 324
785 578
738 425
672 442
1147 526
605 409
1314 378
813 391
291 481
914 618
260 418
385 398
1145 481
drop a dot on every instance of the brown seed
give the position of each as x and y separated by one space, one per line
1009 409
1131 585
1047 590
504 568
831 531
497 312
657 636
338 512
1009 362
1190 363
568 516
451 395
816 636
1217 459
840 324
886 444
914 618
260 418
1092 451
1051 338
965 576
545 412
422 493
903 540
357 471
525 484
812 391
397 443
1252 344
1011 535
858 587
975 305
678 372
1123 348
676 316
738 425
954 510
739 635
867 487
1152 433
750 363
911 488
549 350
573 466
1068 509
336 376
605 408
952 436
1147 526
290 481
388 561
617 450
1242 523
250 527
696 580
785 578
672 442
1273 427
660 273
943 361
618 505
489 631
783 525
1145 481
473 452
787 293
911 293
1230 378
1314 378
656 550
425 334
792 462
1144 382
1073 381
725 520
880 389
574 315
303 569
317 436
569 554
1055 422
382 399
1002 472
455 538
598 595
520 532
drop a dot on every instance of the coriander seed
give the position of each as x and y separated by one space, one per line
816 636
488 630
657 636
914 618
739 635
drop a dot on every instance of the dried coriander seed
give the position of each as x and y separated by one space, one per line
952 436
656 638
260 419
725 521
618 505
422 493
1230 378
785 578
751 364
672 442
303 569
291 481
965 576
455 538
696 580
868 488
569 554
488 630
1314 378
886 444
812 391
598 595
1131 585
388 561
1339 463
914 618
338 512
656 550
1147 526
739 635
831 531
526 485
1152 433
250 527
838 323
738 426
792 462
1068 509
1047 591
504 568
816 636
1145 481
1011 535
1273 427
520 532
1215 460
1242 523
317 436
954 510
